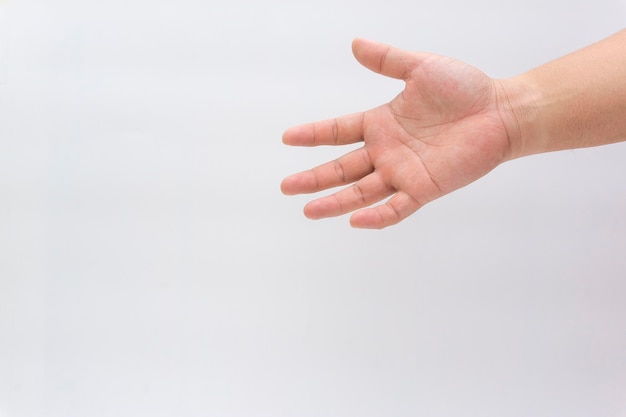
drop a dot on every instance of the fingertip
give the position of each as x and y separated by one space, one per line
298 136
287 136
288 186
356 42
359 46
322 208
384 59
311 211
366 219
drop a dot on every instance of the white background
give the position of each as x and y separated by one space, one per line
149 265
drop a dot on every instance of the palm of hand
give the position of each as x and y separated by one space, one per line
441 133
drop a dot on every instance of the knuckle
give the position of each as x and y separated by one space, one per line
335 131
359 193
339 170
394 211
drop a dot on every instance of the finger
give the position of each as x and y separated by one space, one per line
345 170
385 59
338 131
393 211
368 190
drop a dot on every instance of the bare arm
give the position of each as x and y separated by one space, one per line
576 101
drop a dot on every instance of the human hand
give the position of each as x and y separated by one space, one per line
443 131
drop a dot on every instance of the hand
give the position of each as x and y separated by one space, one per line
442 132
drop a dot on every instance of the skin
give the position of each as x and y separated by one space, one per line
452 124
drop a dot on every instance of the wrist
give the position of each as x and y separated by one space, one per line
518 107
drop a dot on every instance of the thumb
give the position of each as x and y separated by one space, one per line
385 59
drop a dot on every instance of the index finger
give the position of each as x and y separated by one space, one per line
337 131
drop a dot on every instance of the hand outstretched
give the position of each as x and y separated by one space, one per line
443 131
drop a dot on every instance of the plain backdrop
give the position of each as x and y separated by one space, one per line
149 265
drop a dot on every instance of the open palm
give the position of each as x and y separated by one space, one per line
443 131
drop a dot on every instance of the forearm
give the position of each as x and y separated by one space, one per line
576 101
